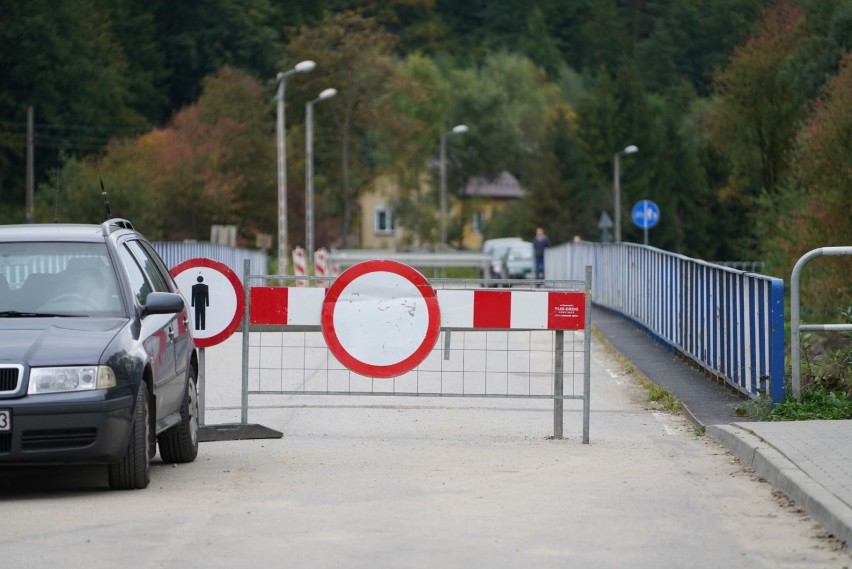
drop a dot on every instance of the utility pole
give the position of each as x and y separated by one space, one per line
30 164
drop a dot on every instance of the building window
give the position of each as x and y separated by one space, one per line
383 222
477 222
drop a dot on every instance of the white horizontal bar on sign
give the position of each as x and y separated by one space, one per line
456 308
304 306
529 309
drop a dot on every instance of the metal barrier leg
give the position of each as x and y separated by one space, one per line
242 430
587 356
558 364
244 398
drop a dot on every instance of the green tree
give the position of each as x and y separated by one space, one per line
354 57
506 104
61 59
409 120
759 102
811 210
133 26
210 165
198 38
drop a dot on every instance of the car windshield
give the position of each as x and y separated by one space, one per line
524 251
57 279
499 250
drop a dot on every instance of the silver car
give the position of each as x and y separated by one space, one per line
517 261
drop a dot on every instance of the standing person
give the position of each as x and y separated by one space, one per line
540 243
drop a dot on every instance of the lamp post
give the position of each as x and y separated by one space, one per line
617 186
301 67
309 171
458 129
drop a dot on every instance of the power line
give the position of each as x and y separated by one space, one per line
99 128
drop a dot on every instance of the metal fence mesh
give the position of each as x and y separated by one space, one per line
505 363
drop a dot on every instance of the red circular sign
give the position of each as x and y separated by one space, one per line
381 318
217 310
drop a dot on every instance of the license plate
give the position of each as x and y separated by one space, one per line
5 420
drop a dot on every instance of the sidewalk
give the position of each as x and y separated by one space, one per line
809 461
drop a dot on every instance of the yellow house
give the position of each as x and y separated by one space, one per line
378 227
481 200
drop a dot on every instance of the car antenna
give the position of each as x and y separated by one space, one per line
56 199
103 191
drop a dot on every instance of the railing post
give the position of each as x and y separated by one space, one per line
795 319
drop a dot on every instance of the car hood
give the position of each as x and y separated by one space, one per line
56 341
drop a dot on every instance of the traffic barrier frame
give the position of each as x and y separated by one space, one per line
458 339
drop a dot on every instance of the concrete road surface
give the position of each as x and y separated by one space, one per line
435 483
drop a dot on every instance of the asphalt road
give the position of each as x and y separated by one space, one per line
385 482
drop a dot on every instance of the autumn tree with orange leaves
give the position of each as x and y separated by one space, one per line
209 165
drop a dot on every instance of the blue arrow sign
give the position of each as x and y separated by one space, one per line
645 214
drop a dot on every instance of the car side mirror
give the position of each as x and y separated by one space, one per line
162 303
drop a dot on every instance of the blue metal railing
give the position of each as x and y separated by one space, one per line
729 322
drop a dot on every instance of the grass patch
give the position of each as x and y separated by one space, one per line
663 397
818 402
826 380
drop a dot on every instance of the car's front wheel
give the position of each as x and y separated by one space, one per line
133 471
180 443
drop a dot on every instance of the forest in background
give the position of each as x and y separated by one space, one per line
740 110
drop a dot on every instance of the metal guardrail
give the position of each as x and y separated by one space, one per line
441 259
729 322
176 252
795 320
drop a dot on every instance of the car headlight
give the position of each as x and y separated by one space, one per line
62 379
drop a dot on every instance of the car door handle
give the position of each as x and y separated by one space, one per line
171 331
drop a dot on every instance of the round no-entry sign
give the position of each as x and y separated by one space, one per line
380 318
215 296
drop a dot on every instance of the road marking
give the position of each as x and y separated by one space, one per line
662 418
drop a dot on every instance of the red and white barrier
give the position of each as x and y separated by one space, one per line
459 309
512 310
321 263
286 306
300 267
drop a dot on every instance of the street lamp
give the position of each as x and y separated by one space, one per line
309 171
458 129
617 185
301 67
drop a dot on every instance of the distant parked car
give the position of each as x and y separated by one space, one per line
517 261
497 248
97 364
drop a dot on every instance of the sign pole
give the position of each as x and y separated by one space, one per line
220 303
201 399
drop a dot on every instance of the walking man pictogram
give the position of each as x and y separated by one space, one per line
200 300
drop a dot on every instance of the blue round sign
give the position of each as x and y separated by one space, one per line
646 214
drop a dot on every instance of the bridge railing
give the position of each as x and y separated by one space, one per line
729 322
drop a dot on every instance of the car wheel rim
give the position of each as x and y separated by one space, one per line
192 393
